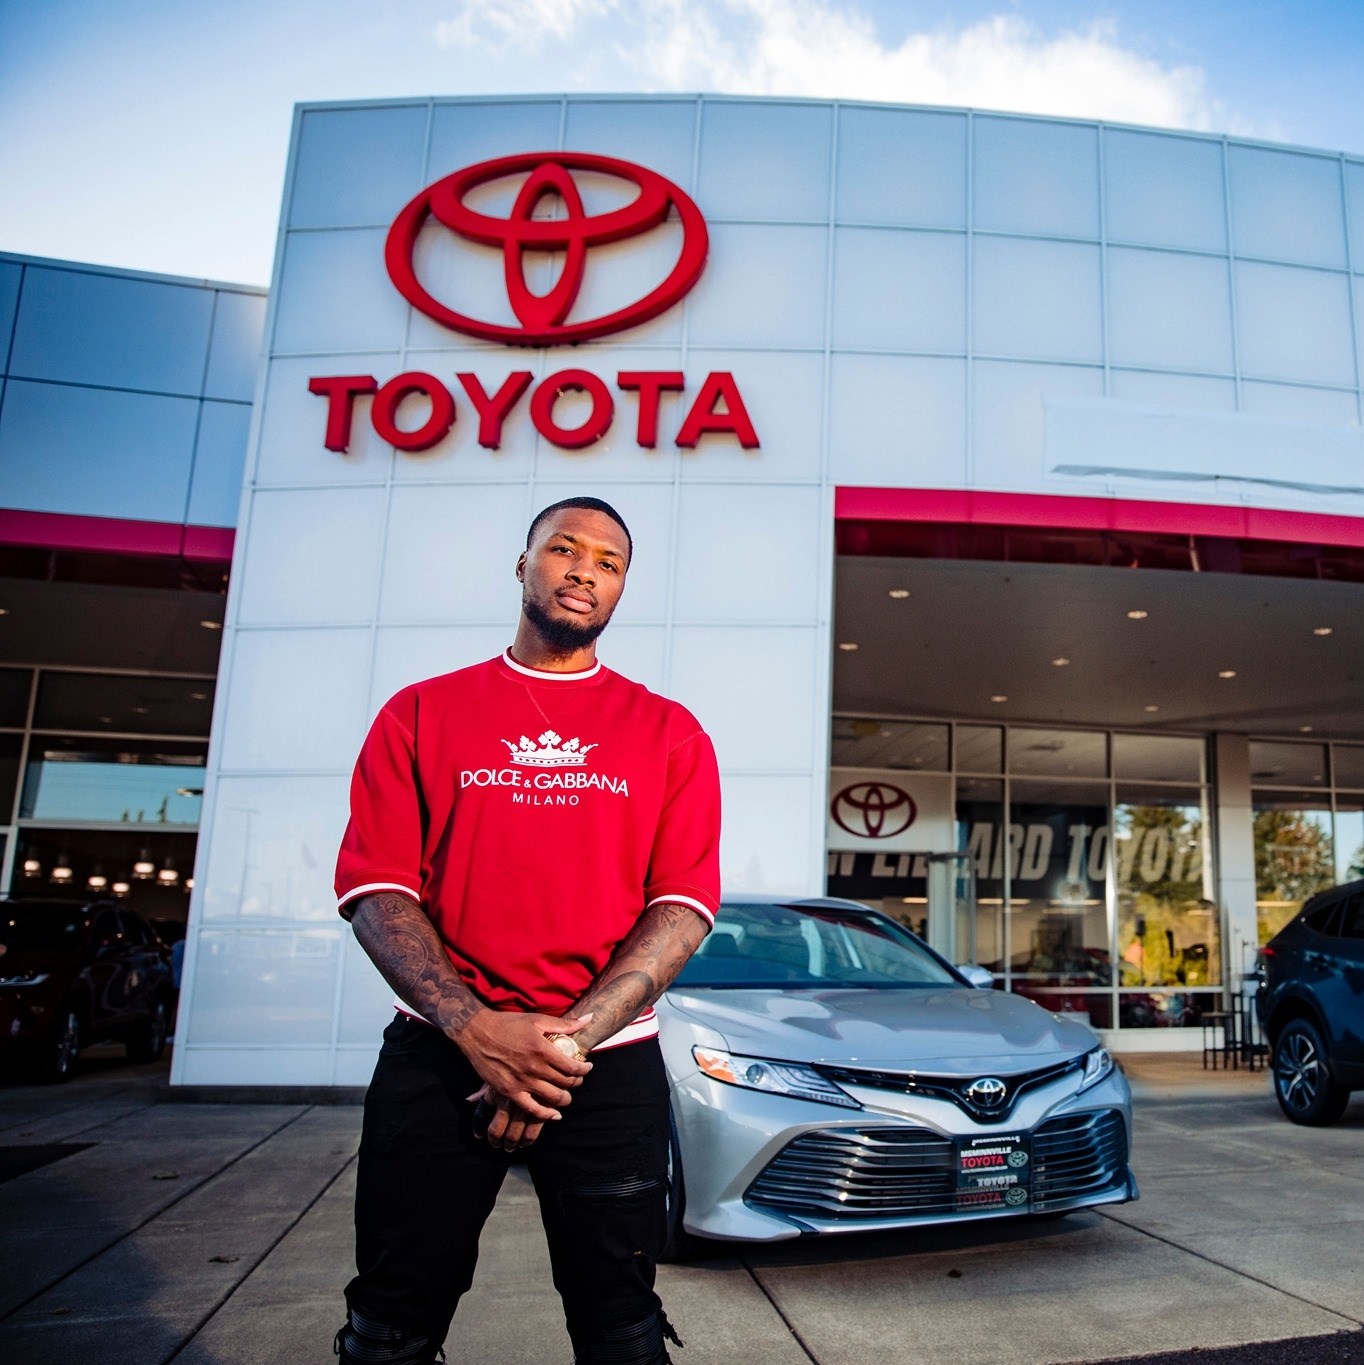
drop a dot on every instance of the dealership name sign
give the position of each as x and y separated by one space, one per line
542 319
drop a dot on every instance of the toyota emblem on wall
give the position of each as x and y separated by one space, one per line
542 318
873 810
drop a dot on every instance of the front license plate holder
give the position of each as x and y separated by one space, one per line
993 1172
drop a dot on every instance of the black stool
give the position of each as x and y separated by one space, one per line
1226 1050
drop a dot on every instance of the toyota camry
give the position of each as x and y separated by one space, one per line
831 1073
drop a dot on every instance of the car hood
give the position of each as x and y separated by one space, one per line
947 1032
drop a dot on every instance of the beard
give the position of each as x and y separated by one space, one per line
560 634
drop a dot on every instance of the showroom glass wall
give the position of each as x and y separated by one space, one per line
101 779
1308 802
1092 860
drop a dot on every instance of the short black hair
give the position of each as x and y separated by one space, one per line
586 505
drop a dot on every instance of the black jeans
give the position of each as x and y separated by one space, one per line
426 1187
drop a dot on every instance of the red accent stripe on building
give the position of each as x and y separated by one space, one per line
1095 514
114 535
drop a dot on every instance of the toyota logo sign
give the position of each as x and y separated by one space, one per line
542 316
989 1092
873 810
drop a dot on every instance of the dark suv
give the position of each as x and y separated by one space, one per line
1311 1005
73 973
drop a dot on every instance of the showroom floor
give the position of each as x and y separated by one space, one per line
220 1233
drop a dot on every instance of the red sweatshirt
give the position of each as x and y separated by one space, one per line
533 816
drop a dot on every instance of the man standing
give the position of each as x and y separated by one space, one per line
531 858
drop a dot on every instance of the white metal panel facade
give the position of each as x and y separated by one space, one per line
908 298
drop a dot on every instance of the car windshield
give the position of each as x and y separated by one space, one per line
814 946
40 928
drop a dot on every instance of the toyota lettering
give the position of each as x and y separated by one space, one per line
428 404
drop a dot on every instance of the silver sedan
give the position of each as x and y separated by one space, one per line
831 1073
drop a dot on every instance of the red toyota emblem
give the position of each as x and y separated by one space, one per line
873 810
542 316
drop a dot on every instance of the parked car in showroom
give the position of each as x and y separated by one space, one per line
831 1073
1311 1006
74 973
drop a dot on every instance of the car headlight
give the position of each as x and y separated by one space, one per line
775 1078
1098 1064
24 979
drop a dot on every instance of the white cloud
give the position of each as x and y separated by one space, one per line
829 49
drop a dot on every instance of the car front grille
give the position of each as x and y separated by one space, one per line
953 1088
867 1173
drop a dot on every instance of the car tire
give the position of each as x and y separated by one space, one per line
1302 1077
681 1245
63 1047
147 1041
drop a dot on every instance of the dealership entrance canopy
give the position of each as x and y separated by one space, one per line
996 488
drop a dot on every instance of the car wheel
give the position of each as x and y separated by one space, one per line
147 1041
1302 1077
59 1057
681 1244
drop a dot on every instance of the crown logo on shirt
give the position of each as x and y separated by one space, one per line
549 751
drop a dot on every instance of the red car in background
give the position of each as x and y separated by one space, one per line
74 973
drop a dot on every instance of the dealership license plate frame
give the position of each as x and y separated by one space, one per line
999 1179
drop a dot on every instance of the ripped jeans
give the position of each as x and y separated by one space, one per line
426 1187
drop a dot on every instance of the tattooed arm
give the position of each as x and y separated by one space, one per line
644 965
507 1049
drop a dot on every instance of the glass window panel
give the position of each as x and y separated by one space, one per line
1094 1007
1348 765
112 854
1288 764
980 834
1294 854
1158 758
1169 311
1167 920
1352 921
1036 300
1164 190
1349 840
1057 753
980 749
1036 177
14 690
125 781
1286 205
1294 324
861 743
10 748
1057 851
124 705
926 154
1165 1009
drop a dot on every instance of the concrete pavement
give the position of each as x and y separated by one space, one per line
220 1235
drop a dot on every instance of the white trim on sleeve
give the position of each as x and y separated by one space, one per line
704 911
377 886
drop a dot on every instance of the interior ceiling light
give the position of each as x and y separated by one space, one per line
999 696
211 625
1137 615
168 876
189 883
61 873
1322 630
198 696
144 869
4 611
120 889
899 594
847 646
1060 663
1151 708
1227 673
97 881
32 867
1304 729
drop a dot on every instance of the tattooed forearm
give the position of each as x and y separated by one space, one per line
643 966
403 944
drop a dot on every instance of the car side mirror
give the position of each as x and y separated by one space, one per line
980 977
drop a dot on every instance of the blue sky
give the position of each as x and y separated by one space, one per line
152 134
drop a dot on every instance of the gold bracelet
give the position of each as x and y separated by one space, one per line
571 1050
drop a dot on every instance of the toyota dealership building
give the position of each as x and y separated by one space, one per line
996 482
